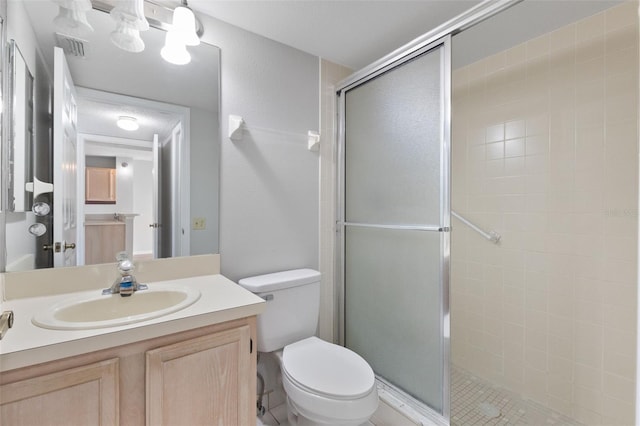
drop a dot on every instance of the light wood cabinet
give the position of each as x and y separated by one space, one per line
86 395
201 381
100 185
103 242
200 376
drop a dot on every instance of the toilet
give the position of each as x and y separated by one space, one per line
326 384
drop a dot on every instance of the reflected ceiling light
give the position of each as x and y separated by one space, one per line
184 24
127 37
174 50
130 20
127 123
72 17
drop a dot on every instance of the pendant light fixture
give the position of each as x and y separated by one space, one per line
184 24
182 33
130 20
174 50
72 18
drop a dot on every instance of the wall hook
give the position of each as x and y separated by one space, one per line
314 140
235 127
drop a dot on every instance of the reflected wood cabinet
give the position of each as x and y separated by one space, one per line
100 185
200 376
103 242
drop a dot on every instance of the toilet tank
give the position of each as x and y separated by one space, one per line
293 305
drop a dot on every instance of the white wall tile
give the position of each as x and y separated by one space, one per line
551 134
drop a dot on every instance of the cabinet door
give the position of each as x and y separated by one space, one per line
103 243
201 381
86 395
100 185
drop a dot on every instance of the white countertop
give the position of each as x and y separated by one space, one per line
103 222
25 344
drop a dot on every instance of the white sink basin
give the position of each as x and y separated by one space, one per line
94 310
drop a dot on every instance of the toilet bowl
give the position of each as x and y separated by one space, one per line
326 384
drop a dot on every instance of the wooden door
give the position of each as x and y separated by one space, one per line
206 380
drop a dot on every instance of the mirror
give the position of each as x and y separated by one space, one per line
175 105
19 151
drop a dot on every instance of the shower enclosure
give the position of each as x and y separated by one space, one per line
543 149
394 215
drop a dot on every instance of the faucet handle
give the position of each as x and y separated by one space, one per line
122 255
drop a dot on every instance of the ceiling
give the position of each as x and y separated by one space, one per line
347 32
356 33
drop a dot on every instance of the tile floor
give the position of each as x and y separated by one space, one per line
278 417
476 402
473 402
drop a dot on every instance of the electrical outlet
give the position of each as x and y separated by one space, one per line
199 223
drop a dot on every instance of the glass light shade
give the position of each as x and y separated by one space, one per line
131 11
184 24
77 5
127 37
174 50
72 22
128 123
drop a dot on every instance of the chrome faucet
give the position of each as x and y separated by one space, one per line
126 284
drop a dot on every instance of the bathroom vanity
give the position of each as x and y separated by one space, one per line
193 366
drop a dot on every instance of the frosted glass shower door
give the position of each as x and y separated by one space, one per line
395 217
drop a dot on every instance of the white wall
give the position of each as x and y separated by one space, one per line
205 175
269 181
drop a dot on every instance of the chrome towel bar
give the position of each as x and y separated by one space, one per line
492 236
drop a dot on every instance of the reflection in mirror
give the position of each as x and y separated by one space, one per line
20 170
176 109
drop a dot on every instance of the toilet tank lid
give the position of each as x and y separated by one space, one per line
280 280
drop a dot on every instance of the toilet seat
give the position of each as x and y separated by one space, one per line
327 369
327 382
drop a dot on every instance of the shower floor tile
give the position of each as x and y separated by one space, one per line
476 402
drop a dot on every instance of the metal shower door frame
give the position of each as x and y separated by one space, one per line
444 45
439 36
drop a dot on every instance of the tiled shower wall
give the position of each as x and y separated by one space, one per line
545 152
